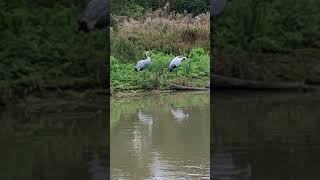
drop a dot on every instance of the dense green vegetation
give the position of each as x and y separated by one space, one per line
41 46
137 8
274 39
192 72
269 40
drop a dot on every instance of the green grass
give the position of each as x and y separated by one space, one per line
192 72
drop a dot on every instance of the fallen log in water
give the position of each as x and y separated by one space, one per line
178 87
223 82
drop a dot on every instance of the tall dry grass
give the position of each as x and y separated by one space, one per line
160 30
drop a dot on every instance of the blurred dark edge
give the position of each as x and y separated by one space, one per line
106 64
212 59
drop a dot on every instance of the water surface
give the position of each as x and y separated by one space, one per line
50 138
265 136
161 137
256 136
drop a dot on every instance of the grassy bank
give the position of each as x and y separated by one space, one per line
167 34
192 72
270 40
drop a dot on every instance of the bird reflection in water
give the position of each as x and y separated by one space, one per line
179 115
138 139
146 119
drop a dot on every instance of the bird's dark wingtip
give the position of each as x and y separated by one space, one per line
172 68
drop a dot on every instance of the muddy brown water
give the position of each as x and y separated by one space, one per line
255 136
161 137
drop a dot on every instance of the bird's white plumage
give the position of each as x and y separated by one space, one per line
176 62
143 64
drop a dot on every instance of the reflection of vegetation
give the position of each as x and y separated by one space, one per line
165 101
176 147
274 134
49 143
192 72
279 118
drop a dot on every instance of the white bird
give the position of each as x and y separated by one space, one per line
176 62
143 64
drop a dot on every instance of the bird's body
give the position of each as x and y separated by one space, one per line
143 64
175 63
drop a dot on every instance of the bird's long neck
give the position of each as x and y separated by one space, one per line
148 58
